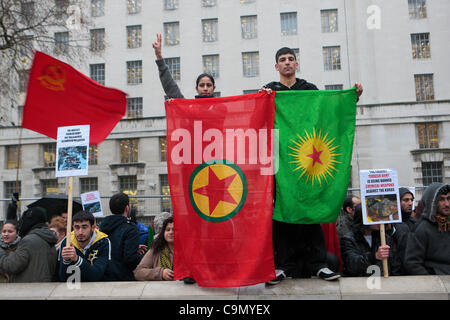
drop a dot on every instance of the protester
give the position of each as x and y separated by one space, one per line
8 242
59 226
345 219
124 236
428 247
299 250
143 229
157 263
89 252
406 204
205 83
34 258
362 248
11 211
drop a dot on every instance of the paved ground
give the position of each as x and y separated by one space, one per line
392 288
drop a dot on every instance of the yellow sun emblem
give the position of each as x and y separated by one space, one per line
314 156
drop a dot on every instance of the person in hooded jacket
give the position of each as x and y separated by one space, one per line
34 258
362 248
124 236
428 247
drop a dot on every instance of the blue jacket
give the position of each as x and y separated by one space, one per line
124 237
92 260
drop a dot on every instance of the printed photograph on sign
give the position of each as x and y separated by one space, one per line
92 203
380 197
72 151
72 158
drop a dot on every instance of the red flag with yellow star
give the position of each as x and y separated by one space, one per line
60 96
219 159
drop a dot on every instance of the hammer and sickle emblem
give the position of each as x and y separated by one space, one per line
53 78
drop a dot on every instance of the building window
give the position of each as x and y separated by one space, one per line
128 185
61 42
97 72
14 159
97 39
424 87
249 28
211 65
172 33
208 3
165 191
10 188
129 150
134 6
329 20
61 8
134 108
174 67
134 36
334 87
93 155
163 148
428 135
134 72
288 23
431 172
209 28
420 43
332 58
97 8
49 155
88 184
171 4
417 9
250 64
49 186
27 11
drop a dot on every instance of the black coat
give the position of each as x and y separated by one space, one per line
357 255
124 237
428 249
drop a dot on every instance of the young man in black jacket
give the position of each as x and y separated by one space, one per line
124 237
299 249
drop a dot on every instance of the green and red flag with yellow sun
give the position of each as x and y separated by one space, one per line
220 166
316 131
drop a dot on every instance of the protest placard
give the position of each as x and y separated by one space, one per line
72 151
72 154
380 201
379 196
92 203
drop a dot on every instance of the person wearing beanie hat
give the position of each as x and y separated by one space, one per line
32 218
34 259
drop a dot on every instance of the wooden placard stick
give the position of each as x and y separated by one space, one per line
383 243
69 212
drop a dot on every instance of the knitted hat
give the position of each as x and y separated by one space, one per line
31 218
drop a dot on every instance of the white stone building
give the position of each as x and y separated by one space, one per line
397 49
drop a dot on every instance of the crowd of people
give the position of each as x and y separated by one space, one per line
123 249
34 250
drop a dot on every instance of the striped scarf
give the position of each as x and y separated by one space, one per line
164 258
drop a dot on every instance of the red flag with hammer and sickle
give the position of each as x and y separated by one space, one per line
58 95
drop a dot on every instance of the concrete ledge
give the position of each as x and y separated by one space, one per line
405 287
